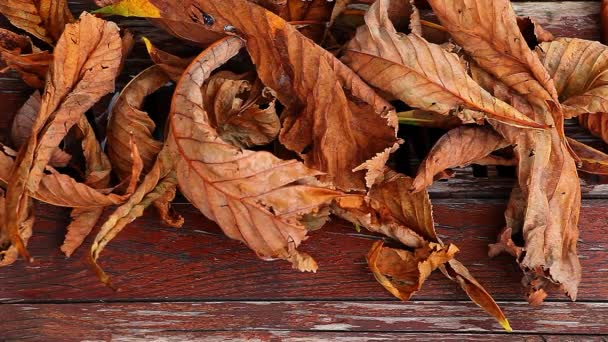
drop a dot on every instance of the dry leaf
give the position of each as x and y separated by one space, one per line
488 31
421 74
23 122
31 67
85 64
457 148
44 19
172 65
403 272
592 160
243 113
578 69
344 107
127 121
392 210
546 212
253 196
458 273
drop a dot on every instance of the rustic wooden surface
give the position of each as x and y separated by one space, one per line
194 283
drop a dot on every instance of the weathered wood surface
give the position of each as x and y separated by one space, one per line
102 320
151 262
196 284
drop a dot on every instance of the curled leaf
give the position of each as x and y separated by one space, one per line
243 113
402 272
254 197
343 109
460 146
592 160
128 121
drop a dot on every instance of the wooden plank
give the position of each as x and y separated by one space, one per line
148 261
306 336
111 320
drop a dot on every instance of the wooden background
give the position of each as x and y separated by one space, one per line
194 283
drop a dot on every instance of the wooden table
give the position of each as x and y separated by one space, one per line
194 283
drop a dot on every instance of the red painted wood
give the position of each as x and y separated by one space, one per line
112 320
197 263
149 261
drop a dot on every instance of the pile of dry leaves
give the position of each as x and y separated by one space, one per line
302 127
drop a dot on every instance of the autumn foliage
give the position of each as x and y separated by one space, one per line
286 117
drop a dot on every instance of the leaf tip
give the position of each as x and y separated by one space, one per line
148 44
505 325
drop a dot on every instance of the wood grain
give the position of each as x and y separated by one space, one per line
195 284
198 262
110 320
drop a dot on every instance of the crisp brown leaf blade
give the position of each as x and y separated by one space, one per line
375 217
23 121
128 121
342 107
44 19
160 179
421 74
460 274
31 67
593 161
402 272
172 65
234 108
460 146
545 206
85 63
578 68
488 31
9 255
253 196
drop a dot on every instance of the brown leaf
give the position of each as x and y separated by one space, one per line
578 68
172 65
429 77
403 272
14 43
128 121
488 31
457 148
44 19
31 67
592 160
85 64
460 274
97 176
9 254
344 107
253 196
375 217
244 114
546 206
155 184
23 122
